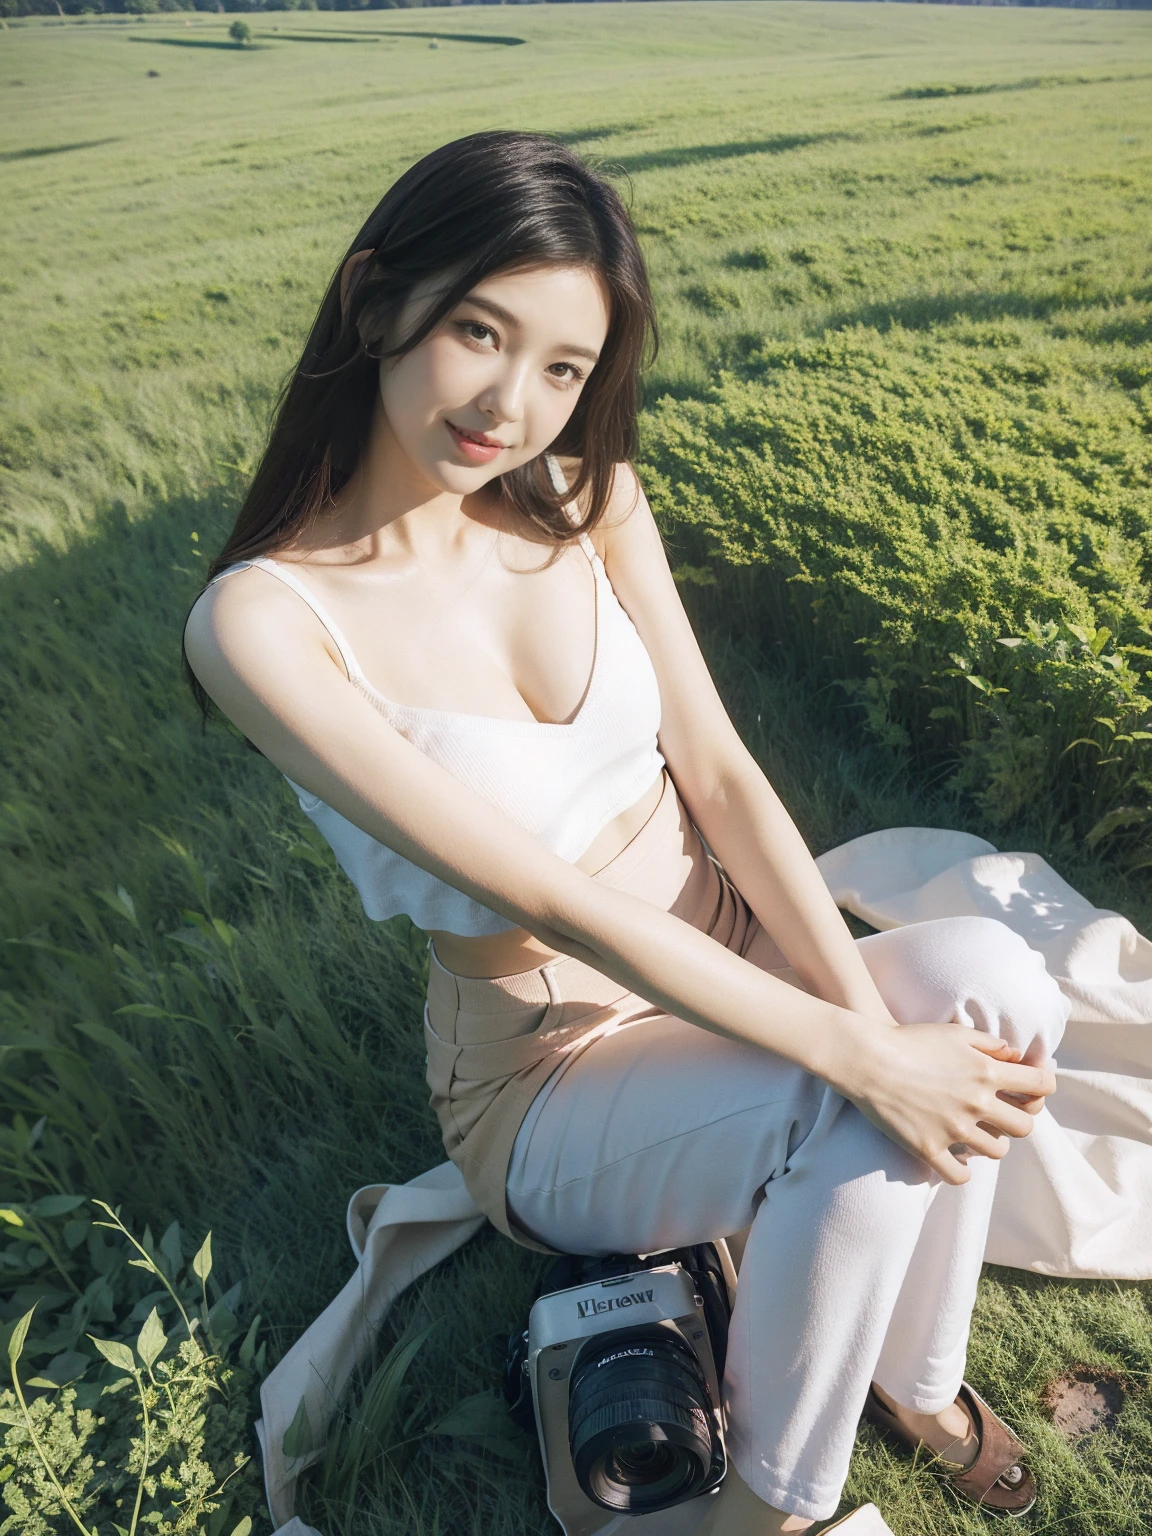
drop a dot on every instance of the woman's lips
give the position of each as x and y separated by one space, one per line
477 447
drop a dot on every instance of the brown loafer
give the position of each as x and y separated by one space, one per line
997 1480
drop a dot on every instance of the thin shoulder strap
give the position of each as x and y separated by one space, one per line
558 480
283 573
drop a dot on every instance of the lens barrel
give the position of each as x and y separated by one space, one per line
640 1424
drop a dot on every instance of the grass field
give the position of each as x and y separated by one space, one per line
948 204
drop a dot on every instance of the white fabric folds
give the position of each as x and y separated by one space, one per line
1074 1199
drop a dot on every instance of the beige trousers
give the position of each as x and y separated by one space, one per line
585 1120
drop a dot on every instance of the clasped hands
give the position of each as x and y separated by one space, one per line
942 1091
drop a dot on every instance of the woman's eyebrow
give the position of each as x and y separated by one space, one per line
506 317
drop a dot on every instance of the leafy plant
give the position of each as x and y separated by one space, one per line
1058 674
137 1430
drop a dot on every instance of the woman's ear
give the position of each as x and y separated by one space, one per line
352 270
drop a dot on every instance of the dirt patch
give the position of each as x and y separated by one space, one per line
1084 1401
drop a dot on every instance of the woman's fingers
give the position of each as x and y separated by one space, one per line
946 1092
952 1169
1035 1056
1006 1119
1019 1094
1020 1077
1027 1095
1016 1078
983 1140
1031 1106
992 1045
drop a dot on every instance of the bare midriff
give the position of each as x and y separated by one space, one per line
509 953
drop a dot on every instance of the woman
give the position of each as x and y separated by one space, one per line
449 621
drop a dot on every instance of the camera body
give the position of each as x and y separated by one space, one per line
623 1359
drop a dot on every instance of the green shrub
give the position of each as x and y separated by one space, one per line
955 525
139 1429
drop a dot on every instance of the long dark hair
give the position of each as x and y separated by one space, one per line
487 203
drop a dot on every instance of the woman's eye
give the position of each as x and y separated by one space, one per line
476 330
568 373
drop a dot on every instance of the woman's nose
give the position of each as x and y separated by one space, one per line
504 397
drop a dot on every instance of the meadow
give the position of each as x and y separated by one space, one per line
902 413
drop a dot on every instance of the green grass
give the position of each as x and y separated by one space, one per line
905 175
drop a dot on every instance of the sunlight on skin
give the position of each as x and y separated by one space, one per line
492 386
488 390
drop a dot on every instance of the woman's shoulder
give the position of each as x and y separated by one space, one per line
241 611
625 500
236 588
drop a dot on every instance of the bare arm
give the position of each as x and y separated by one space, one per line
729 798
267 663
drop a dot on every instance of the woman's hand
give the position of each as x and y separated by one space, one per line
938 1090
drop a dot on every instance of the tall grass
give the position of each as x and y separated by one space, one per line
198 1023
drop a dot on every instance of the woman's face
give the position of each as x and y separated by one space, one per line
496 381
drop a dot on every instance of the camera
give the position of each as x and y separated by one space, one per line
619 1372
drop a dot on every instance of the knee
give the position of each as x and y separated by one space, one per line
969 970
1002 985
981 958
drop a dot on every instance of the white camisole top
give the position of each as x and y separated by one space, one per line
562 782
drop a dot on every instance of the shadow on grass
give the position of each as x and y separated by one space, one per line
590 135
107 781
1029 83
494 39
1127 330
55 149
702 154
201 42
325 37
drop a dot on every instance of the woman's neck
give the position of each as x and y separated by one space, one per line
389 509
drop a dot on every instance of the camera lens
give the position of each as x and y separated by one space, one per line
639 1421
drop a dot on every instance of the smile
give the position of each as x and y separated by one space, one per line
476 446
